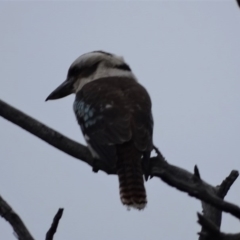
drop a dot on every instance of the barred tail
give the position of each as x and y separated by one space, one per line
131 183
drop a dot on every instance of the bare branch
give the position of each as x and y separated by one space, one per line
212 232
49 135
213 214
53 228
189 183
15 221
170 174
227 183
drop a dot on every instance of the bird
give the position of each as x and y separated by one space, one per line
114 112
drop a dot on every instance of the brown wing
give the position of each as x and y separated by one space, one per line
113 111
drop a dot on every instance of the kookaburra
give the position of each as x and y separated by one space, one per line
114 113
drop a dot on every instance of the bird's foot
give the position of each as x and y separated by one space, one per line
99 164
96 165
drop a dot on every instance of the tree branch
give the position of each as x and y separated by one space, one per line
18 226
53 228
170 174
15 221
190 183
213 214
45 133
212 231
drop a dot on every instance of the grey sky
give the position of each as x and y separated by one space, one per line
187 56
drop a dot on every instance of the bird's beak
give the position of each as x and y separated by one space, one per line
65 89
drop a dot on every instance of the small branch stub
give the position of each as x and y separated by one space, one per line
196 172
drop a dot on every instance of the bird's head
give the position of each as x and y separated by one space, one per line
89 67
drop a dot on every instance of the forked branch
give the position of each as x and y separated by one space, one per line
19 227
191 183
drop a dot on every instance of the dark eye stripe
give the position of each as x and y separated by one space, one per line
74 71
84 71
123 66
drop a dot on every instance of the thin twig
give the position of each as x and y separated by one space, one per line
52 230
227 183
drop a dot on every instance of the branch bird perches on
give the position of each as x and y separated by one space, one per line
191 183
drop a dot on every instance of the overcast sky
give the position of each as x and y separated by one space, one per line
186 55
